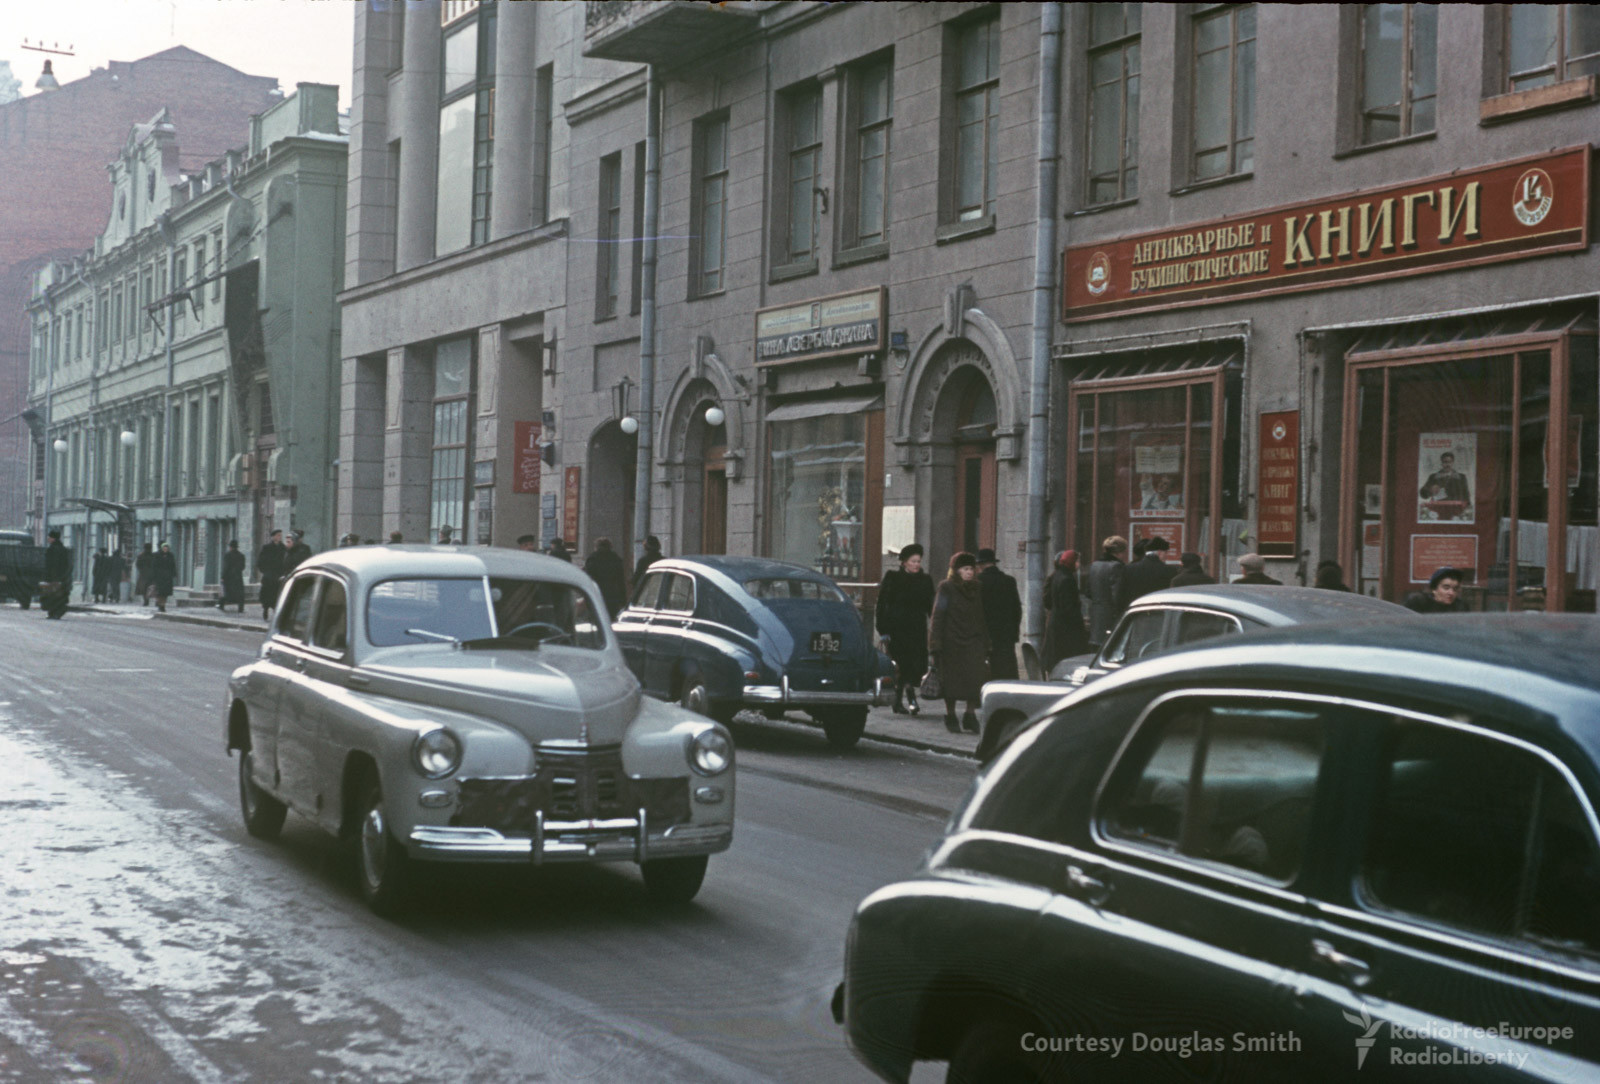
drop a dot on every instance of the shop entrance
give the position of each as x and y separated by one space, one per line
1479 456
714 502
976 475
611 482
705 486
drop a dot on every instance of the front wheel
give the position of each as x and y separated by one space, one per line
263 814
674 880
843 726
383 867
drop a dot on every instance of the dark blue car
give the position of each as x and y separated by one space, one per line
722 635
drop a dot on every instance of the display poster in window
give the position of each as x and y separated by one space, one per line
1371 551
899 528
1447 466
1171 531
569 508
526 464
1278 485
1158 476
1431 552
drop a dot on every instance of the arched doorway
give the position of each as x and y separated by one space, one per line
976 474
612 456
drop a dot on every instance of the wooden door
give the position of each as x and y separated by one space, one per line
975 503
714 503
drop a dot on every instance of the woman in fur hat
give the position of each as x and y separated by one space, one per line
958 641
905 598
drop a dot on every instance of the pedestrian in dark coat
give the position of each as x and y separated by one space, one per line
1002 610
163 576
58 576
1149 573
141 574
604 567
652 554
97 574
1064 633
232 577
116 569
1190 574
905 599
558 548
297 553
1330 577
958 642
1107 599
1443 595
269 566
1253 565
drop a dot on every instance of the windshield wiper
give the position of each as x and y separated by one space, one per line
437 636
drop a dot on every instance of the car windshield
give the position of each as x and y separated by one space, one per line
534 612
452 609
792 587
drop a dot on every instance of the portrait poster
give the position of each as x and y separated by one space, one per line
1371 551
1447 468
1158 478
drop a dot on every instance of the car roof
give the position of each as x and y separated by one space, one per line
739 569
373 563
1272 605
1538 669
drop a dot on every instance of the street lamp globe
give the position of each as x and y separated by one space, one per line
60 445
715 416
629 425
128 438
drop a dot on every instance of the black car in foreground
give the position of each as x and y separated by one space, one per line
1324 852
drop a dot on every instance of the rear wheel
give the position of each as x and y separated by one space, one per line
263 814
674 880
383 867
843 726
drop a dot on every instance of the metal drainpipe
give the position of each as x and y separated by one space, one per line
49 402
168 234
647 311
1044 262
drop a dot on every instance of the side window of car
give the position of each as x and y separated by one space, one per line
1474 832
1199 625
332 617
1225 781
680 594
294 611
648 592
1138 636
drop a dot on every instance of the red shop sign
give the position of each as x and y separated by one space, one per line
526 462
1278 485
1528 207
569 518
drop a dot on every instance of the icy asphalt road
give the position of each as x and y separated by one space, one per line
145 937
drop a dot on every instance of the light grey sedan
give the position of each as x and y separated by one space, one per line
470 704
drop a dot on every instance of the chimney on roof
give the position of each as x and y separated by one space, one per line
47 79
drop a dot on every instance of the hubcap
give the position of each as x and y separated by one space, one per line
374 837
247 788
694 698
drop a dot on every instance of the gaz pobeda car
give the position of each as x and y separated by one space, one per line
470 705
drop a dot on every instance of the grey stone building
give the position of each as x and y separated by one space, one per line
182 371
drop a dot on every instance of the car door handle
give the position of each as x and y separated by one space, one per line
300 665
359 680
1359 972
1091 889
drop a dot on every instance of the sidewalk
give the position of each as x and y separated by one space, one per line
210 616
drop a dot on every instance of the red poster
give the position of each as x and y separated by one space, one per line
1278 485
525 464
569 516
1430 552
1171 531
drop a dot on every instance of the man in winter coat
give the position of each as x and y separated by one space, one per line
163 576
1064 634
97 575
232 577
905 599
1190 574
297 553
269 566
1149 573
604 567
652 554
1253 565
958 642
58 576
1002 609
141 574
1106 591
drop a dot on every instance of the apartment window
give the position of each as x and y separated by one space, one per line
199 274
452 380
77 334
870 116
180 278
466 132
608 252
191 455
1113 157
216 283
710 204
1224 90
117 325
213 445
638 227
1550 43
977 114
802 111
1398 51
543 89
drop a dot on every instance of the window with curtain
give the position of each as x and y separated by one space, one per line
1399 45
1224 124
1113 154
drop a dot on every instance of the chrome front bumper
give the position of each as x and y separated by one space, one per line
762 696
619 839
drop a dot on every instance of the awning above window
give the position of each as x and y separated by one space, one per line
817 408
1468 329
1184 358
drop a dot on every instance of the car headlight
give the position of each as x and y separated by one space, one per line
436 753
711 752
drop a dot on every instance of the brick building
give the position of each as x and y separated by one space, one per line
54 199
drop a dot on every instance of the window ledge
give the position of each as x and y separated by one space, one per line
706 294
960 231
861 254
1383 145
787 271
1212 182
1101 207
604 317
1521 103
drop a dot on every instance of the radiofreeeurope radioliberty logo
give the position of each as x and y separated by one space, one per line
1439 1043
1368 1037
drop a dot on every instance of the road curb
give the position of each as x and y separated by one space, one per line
918 743
209 622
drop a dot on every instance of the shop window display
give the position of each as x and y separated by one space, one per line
818 486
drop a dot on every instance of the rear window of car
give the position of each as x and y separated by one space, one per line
442 607
792 587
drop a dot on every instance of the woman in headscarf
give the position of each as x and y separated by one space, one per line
905 598
1064 634
958 640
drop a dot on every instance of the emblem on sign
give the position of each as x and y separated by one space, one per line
1098 278
1279 431
1533 196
